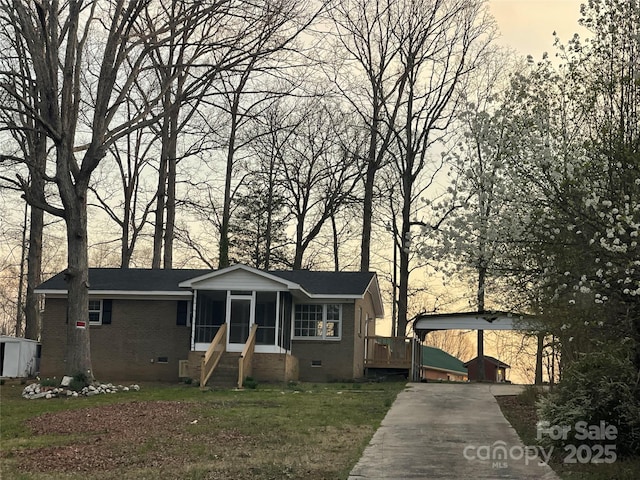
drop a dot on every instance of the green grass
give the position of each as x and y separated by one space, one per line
520 411
311 431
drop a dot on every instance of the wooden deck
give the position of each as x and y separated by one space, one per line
388 352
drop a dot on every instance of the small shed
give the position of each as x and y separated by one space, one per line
494 369
19 357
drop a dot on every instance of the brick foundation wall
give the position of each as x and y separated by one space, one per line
274 367
141 332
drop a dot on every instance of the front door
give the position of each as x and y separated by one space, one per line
240 321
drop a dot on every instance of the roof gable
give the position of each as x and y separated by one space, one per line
495 361
239 277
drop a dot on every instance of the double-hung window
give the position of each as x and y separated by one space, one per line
95 312
100 312
318 321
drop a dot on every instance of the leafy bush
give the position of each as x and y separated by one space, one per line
76 385
599 386
249 382
78 382
49 382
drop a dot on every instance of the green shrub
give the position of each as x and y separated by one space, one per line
249 382
598 387
78 382
76 385
49 382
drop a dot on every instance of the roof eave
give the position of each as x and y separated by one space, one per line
127 293
445 369
374 288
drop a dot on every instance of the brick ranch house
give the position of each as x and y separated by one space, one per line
159 325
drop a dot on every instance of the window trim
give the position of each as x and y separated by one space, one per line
100 311
324 320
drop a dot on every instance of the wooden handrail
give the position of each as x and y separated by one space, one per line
246 357
213 355
388 351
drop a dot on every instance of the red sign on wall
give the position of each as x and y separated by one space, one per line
81 324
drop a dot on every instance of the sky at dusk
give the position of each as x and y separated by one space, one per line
528 25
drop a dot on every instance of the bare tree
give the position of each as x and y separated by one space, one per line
454 342
185 66
68 76
365 33
29 139
441 42
318 173
270 34
123 192
262 218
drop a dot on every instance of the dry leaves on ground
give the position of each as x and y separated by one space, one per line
149 434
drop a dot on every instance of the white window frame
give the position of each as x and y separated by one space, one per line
99 322
324 320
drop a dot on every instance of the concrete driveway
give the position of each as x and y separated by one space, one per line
452 431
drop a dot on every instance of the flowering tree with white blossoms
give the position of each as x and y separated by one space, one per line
550 178
580 164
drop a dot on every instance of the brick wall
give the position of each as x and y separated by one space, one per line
274 367
431 374
336 358
141 332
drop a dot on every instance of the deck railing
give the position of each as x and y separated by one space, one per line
245 361
213 355
388 352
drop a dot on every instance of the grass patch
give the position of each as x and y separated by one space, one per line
520 411
311 431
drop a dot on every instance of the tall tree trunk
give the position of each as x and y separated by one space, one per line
125 253
539 352
158 232
23 261
336 255
34 272
169 230
405 232
367 217
234 111
78 352
223 258
269 226
36 229
299 252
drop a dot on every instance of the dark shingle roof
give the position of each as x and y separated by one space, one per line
328 283
436 358
495 361
160 280
128 279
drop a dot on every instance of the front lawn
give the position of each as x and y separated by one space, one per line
311 431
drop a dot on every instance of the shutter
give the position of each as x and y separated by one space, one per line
106 311
182 312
